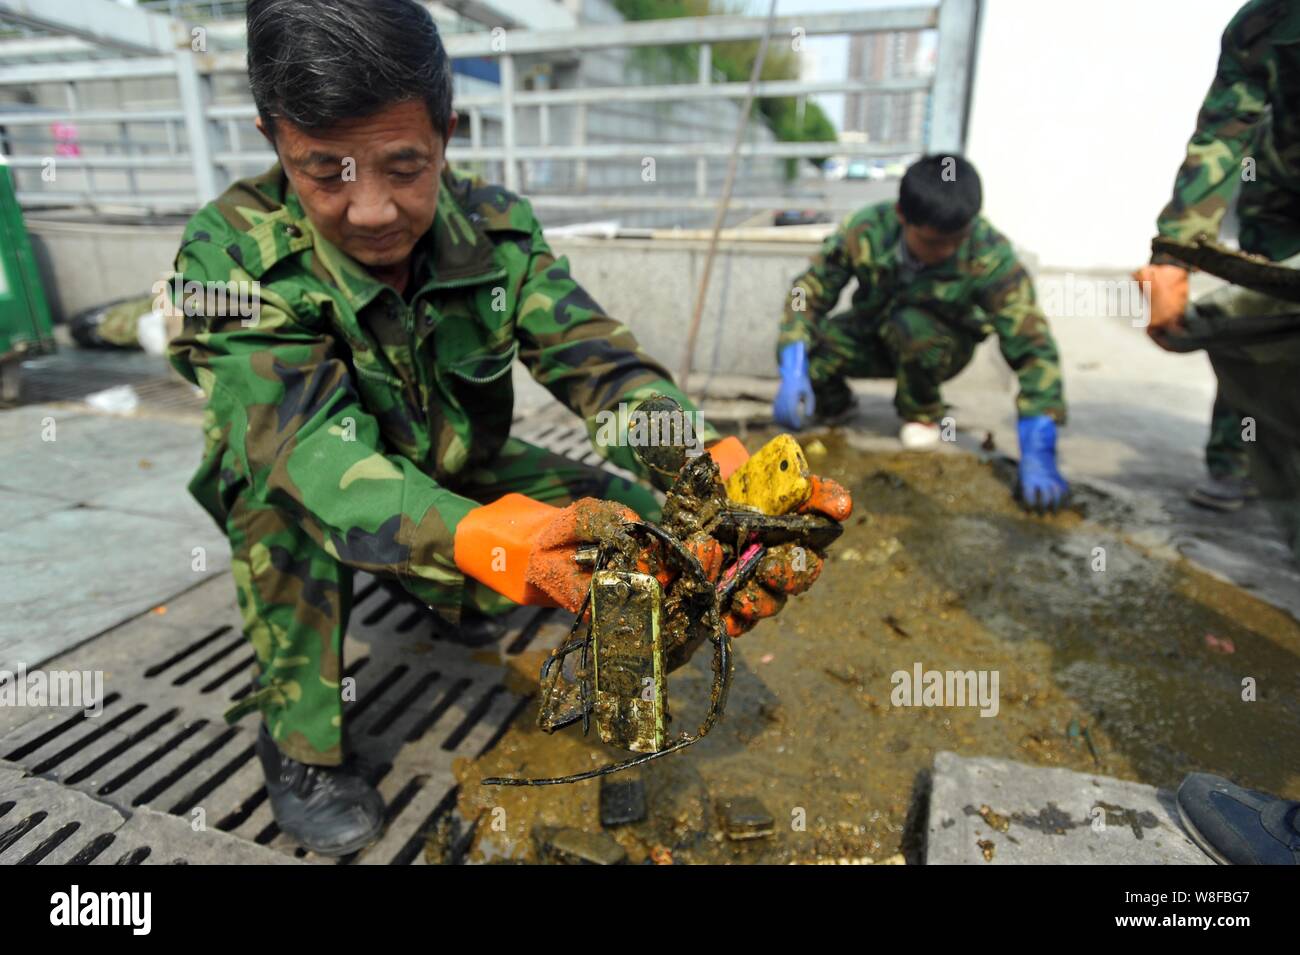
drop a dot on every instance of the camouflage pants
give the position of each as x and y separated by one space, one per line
1270 226
1225 452
295 599
909 344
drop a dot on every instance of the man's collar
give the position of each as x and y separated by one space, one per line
461 252
906 260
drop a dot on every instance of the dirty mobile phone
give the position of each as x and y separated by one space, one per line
629 684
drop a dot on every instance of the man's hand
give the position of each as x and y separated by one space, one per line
1168 295
526 549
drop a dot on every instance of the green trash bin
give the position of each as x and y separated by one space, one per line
25 327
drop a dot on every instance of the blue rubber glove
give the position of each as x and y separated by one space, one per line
1041 486
794 399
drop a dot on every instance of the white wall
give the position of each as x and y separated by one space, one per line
1080 118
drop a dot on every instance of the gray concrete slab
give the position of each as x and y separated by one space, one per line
19 506
994 811
68 575
136 464
57 825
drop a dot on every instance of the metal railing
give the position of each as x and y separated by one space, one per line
184 57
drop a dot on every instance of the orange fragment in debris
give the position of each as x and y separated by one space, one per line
160 610
661 855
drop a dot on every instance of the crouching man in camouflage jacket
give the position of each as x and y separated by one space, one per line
358 389
934 279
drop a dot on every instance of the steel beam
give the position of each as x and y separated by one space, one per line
105 24
950 101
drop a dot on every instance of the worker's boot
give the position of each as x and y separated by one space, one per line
331 810
1226 493
1236 826
834 401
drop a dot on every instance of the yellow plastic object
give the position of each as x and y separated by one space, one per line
774 480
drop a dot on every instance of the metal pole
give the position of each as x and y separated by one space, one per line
741 122
508 121
580 134
706 77
958 20
195 106
543 82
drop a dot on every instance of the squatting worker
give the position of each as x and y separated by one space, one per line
360 419
934 279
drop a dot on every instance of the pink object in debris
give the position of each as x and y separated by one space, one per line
1223 645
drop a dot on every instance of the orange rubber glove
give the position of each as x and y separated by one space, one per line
524 549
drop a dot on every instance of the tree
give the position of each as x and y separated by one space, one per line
736 61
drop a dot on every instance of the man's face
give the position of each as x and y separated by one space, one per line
930 246
368 185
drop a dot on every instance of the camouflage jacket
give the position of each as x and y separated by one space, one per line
982 289
1252 106
355 409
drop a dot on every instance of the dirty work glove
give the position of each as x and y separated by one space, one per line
785 570
795 403
525 549
1168 298
1041 486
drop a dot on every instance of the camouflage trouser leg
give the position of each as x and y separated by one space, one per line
295 598
910 345
1270 226
1225 452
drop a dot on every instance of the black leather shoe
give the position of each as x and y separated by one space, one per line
327 809
1236 826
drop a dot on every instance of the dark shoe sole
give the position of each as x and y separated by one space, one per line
1201 842
1227 506
834 417
356 845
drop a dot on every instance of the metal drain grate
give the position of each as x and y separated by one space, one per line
73 373
554 428
132 785
162 745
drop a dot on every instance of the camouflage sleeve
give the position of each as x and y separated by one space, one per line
816 291
1024 336
590 362
281 397
1225 129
